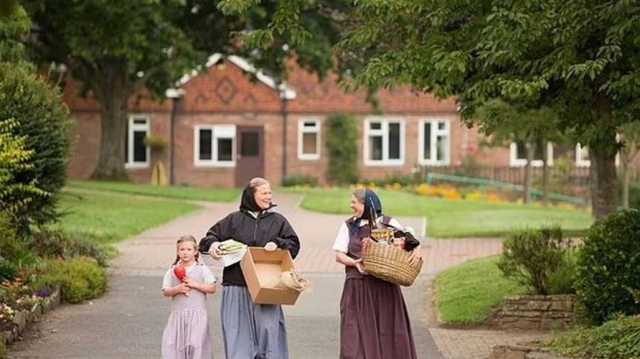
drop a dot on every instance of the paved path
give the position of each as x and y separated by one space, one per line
127 322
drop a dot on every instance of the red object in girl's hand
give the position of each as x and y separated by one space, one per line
180 272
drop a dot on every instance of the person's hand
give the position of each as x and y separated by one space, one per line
191 283
183 289
415 256
214 251
365 243
359 266
271 246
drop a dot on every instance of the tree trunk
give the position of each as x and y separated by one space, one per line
604 192
527 171
112 93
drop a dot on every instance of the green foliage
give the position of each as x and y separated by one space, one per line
14 26
14 255
563 279
403 180
80 278
616 339
300 180
609 266
34 144
634 196
532 256
115 47
342 146
3 349
52 243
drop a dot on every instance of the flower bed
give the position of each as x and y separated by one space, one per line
13 322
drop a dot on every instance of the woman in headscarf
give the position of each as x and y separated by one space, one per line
251 331
374 323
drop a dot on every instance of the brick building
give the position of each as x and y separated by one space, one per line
228 128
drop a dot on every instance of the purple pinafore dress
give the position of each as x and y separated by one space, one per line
187 335
374 323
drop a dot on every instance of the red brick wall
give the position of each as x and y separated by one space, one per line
224 94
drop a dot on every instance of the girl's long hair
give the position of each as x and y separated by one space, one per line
189 239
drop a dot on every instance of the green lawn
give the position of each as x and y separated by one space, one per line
466 294
177 192
107 217
446 218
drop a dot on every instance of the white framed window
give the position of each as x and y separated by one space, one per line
434 145
582 156
518 158
384 139
137 152
309 139
214 146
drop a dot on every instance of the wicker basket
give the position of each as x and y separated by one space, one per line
390 263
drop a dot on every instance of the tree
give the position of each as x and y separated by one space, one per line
630 136
577 57
117 47
530 126
34 133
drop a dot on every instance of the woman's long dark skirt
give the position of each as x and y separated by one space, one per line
374 321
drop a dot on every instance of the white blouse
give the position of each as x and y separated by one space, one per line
209 278
342 239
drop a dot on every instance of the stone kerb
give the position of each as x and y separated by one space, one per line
535 312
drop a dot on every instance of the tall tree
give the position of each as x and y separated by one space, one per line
116 47
578 57
630 136
532 127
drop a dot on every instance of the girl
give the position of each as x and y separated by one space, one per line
186 335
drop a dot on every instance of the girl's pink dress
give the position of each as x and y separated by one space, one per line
186 335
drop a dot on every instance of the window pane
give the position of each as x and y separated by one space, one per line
441 125
426 145
250 146
520 151
309 144
375 148
394 141
205 145
375 125
140 121
139 149
225 149
538 155
442 145
310 124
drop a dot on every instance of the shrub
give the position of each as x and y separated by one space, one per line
14 255
634 196
532 256
342 146
80 278
609 266
52 243
615 339
3 349
33 114
563 280
300 180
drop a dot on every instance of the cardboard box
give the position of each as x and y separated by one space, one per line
262 271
